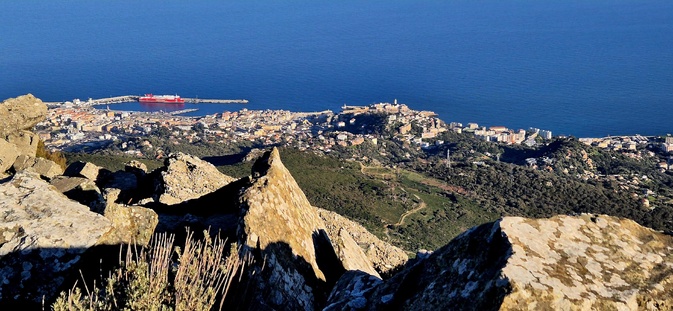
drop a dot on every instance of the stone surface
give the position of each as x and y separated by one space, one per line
47 168
351 255
21 113
8 154
25 141
283 230
562 263
130 224
42 236
83 169
384 257
187 177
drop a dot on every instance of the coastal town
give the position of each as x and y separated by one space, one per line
77 126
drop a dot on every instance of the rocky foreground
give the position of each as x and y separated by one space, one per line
52 220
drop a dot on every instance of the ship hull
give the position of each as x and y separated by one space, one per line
161 99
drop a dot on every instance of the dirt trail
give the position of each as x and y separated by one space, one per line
421 205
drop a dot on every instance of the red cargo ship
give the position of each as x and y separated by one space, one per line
172 99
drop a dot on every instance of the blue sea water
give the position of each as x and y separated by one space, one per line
583 68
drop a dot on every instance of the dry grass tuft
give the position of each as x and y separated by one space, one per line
149 278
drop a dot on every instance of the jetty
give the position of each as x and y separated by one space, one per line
134 98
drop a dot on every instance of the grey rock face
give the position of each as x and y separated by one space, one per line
21 113
187 177
43 235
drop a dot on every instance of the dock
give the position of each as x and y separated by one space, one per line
134 98
214 101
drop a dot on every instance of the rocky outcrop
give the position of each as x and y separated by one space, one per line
383 256
279 223
42 237
20 113
186 177
562 263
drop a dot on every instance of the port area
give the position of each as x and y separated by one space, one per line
134 98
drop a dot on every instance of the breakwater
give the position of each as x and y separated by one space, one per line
135 98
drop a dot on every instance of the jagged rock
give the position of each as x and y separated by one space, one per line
130 224
25 141
83 169
42 236
279 225
23 162
561 263
384 257
352 292
187 177
8 154
47 168
21 113
82 190
351 255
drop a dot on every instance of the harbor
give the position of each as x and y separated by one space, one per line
136 98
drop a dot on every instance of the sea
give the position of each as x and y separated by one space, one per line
575 67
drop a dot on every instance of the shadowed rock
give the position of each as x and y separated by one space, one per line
83 169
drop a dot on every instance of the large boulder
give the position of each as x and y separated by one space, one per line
42 237
8 154
562 263
384 257
187 177
130 224
25 141
21 113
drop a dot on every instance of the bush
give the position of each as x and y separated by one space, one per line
150 279
55 156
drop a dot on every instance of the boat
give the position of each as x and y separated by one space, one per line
151 98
